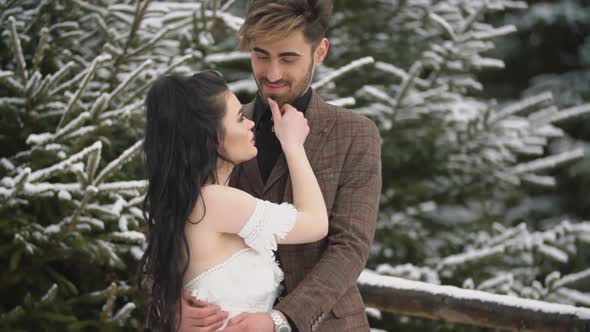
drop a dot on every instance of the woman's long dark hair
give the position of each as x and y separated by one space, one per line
182 137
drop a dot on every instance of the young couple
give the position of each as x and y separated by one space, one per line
230 185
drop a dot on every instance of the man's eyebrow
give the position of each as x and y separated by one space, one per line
289 54
259 50
265 52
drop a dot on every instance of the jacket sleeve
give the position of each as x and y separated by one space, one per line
352 228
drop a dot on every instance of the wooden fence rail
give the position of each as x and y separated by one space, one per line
453 304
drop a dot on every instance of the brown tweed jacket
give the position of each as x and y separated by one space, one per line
344 150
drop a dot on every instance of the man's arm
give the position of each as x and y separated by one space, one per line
352 228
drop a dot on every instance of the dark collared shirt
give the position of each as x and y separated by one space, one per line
267 143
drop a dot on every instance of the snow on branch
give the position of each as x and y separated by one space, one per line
140 91
548 162
227 57
540 180
122 315
245 85
553 243
89 74
572 279
570 113
415 71
343 70
132 76
226 5
40 139
123 185
120 161
489 34
342 102
444 24
389 68
378 94
46 172
18 51
522 106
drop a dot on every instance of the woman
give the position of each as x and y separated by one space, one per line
205 236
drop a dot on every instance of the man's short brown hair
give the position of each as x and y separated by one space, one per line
273 20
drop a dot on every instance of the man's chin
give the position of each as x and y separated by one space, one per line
280 99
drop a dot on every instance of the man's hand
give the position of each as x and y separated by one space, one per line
197 316
249 322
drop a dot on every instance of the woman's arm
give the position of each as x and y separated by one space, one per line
231 209
291 129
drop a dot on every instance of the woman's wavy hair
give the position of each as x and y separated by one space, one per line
183 134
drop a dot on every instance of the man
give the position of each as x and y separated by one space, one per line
287 41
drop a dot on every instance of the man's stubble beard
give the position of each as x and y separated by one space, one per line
294 92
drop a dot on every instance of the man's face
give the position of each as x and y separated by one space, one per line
283 69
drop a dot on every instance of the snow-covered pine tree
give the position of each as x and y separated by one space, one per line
71 86
72 82
454 162
554 56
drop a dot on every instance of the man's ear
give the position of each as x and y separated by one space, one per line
321 51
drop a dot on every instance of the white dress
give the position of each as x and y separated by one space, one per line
250 279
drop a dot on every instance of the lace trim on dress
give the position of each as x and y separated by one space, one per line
221 265
268 222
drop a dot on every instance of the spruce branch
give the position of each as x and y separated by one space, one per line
415 71
43 36
150 43
19 181
343 70
522 106
49 297
473 17
123 314
32 84
141 90
92 163
107 308
444 24
569 113
59 75
227 5
89 74
547 162
46 172
117 163
140 9
91 191
18 51
128 80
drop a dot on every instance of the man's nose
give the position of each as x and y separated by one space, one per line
274 73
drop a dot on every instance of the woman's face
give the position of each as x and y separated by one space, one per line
238 140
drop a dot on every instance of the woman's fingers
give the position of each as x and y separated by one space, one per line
276 112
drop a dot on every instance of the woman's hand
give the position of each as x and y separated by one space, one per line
291 126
